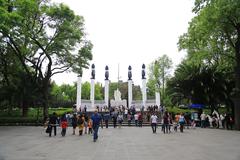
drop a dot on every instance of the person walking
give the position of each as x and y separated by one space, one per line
136 119
129 118
165 122
203 120
114 118
125 113
74 123
154 122
80 123
106 118
53 120
64 125
120 119
96 119
181 122
90 124
140 119
85 123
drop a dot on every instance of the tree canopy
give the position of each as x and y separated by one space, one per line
44 39
213 39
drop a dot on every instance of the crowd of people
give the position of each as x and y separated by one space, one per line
88 122
217 120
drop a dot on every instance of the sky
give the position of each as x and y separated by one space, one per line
129 32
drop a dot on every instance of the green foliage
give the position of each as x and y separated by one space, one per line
98 91
86 88
123 88
213 44
176 110
41 39
159 73
201 84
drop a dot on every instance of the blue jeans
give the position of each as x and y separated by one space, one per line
95 132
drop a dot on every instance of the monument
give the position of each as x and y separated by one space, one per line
117 101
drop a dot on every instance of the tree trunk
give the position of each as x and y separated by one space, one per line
45 103
46 86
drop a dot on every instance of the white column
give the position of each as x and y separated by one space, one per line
79 92
106 92
157 96
129 93
144 92
92 93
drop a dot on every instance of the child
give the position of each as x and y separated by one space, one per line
193 124
90 123
64 125
175 125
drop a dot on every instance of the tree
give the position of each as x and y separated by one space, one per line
159 72
86 88
43 37
98 91
202 84
215 31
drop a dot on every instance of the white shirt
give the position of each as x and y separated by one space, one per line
136 116
203 117
154 119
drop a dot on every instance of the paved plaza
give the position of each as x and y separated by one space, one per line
32 143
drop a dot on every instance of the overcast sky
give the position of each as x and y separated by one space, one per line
130 32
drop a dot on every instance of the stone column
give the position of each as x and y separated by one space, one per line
92 86
129 86
106 89
92 92
129 93
106 92
144 90
79 91
157 96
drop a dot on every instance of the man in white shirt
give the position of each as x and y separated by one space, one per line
126 113
154 122
203 119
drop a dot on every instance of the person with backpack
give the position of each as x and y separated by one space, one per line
181 122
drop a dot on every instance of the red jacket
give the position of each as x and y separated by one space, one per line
64 124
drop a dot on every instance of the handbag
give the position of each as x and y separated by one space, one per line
48 130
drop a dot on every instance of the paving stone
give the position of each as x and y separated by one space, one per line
126 143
